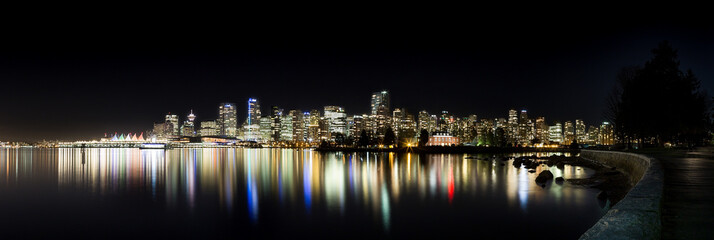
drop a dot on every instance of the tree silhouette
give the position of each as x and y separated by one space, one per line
363 139
423 137
501 140
389 137
486 138
659 103
405 136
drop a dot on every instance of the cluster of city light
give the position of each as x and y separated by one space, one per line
297 128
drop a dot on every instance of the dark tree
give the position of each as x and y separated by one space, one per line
339 138
363 139
659 103
350 140
406 136
423 137
500 138
486 138
389 137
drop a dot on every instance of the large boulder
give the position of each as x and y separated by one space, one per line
544 176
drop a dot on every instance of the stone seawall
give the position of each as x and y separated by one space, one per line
637 216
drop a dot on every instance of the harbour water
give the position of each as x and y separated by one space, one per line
281 193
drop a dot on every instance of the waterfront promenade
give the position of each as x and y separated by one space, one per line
688 198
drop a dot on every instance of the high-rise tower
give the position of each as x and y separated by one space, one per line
380 103
253 112
227 120
173 121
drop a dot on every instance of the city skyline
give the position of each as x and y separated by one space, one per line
296 127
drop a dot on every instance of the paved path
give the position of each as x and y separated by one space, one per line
688 199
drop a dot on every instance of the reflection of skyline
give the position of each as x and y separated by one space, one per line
252 180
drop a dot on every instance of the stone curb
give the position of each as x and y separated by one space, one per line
637 216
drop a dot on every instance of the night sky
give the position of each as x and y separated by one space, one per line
70 80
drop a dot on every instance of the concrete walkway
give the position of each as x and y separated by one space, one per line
688 198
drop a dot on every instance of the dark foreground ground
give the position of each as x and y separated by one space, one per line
688 199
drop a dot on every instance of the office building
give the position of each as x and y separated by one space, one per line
228 120
380 103
209 128
173 121
336 120
555 133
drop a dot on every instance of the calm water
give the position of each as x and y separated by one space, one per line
259 193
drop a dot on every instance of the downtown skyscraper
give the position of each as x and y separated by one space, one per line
380 103
227 120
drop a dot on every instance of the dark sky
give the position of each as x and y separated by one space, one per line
79 79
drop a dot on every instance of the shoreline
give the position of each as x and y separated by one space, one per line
613 183
440 149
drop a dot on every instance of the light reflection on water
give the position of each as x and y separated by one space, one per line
385 188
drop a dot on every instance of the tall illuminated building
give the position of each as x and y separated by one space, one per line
336 119
357 125
251 126
512 129
314 126
424 121
173 121
228 120
266 131
380 103
555 133
297 124
253 111
568 132
580 133
286 128
592 135
607 134
275 114
541 129
524 135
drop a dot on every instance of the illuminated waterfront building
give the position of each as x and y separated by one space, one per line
314 126
607 134
568 133
209 128
306 126
592 135
555 133
580 131
253 111
541 129
173 122
266 131
227 120
336 120
442 139
404 124
512 126
251 126
297 124
523 135
275 117
286 128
